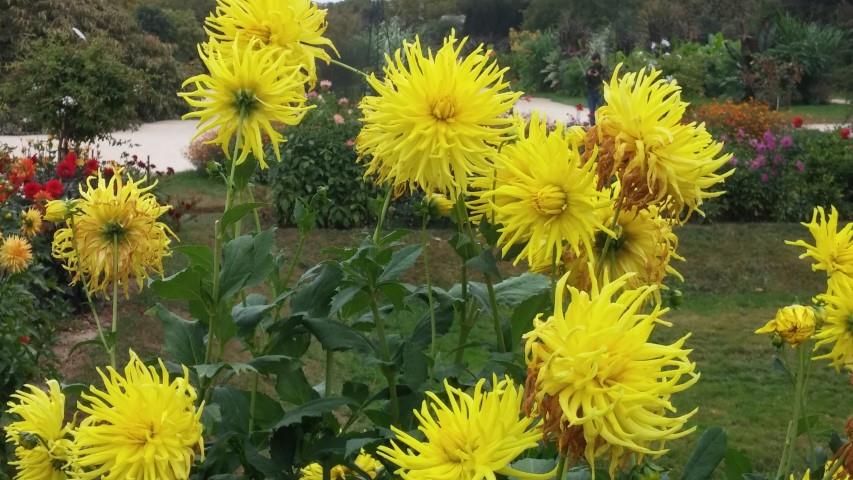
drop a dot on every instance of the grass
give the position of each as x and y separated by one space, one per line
737 275
828 113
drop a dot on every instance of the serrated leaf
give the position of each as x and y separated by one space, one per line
183 340
314 409
236 213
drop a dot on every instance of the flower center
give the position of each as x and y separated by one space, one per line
113 231
444 109
245 101
850 324
550 200
261 32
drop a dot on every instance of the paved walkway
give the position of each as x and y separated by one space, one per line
164 142
553 111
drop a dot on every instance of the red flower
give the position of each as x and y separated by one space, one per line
845 133
91 167
66 169
54 187
579 107
71 157
31 189
24 339
108 171
797 121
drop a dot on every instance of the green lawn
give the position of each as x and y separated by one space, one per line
829 113
736 275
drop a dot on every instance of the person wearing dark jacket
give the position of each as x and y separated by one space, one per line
594 83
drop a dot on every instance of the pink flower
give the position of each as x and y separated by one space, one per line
326 84
758 162
769 140
765 178
786 142
343 101
350 143
778 160
339 119
733 161
845 133
800 166
311 95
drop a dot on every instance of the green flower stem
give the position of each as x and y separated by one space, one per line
296 256
347 67
330 367
253 400
390 375
255 214
561 467
430 299
87 293
114 326
382 213
211 335
608 242
799 393
464 328
499 331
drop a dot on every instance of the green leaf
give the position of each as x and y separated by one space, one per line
401 260
291 384
314 409
236 266
316 288
236 213
200 256
709 452
521 319
336 336
533 465
184 285
737 464
183 340
514 290
485 263
247 317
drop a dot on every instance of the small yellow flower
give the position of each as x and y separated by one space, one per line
31 222
542 194
16 254
645 143
365 462
435 118
41 438
119 213
440 205
837 328
473 437
58 210
247 93
142 425
292 29
833 248
794 323
602 387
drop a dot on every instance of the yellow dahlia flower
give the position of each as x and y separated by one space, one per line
440 205
840 473
116 213
247 93
16 254
143 425
472 437
837 328
58 210
601 386
41 438
365 462
644 142
292 29
542 194
435 118
795 324
31 222
644 245
832 251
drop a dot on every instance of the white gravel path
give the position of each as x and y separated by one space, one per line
553 111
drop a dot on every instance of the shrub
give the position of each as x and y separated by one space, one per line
200 152
529 58
749 120
779 177
319 155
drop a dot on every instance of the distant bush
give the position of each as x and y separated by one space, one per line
319 155
743 120
779 177
529 58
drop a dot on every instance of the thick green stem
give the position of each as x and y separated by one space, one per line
387 369
298 253
253 400
465 329
211 334
430 299
799 391
382 213
330 371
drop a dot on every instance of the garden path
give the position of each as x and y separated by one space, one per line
553 111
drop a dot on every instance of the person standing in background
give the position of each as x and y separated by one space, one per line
594 83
